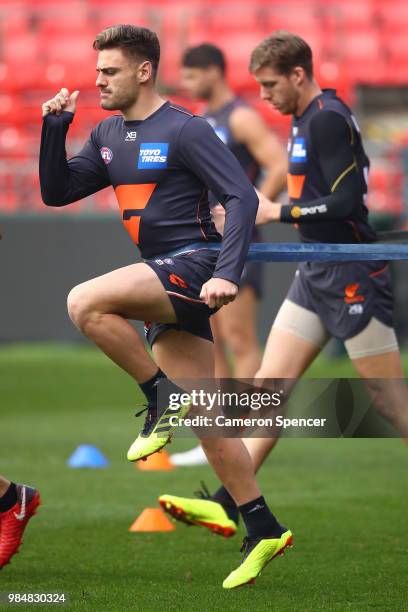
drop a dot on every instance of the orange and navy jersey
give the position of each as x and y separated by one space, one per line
328 173
161 169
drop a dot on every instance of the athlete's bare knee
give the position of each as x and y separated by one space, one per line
240 341
81 308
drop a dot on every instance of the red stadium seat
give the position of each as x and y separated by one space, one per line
23 47
364 46
15 76
75 47
397 46
110 13
393 15
351 14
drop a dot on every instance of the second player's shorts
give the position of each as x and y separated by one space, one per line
350 301
346 296
182 277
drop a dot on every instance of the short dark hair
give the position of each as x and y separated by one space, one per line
283 51
204 56
135 42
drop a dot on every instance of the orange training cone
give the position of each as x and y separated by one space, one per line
158 461
152 519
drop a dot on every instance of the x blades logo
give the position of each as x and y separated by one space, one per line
131 136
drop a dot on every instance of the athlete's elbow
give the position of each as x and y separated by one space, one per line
52 197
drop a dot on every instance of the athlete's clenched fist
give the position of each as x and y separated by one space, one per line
218 292
62 101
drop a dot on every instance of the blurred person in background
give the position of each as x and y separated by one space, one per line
264 160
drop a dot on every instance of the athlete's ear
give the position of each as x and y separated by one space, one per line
145 72
298 75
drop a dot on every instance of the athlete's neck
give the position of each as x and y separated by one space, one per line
220 96
147 103
309 93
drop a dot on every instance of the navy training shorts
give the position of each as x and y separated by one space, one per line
346 295
182 277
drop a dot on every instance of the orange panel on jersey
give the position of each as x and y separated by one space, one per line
295 185
133 198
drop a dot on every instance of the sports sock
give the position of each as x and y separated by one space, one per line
224 498
259 520
149 387
9 499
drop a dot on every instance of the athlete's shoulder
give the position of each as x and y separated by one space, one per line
329 101
105 126
327 121
243 113
179 114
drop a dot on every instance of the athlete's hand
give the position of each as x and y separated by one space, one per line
218 292
62 101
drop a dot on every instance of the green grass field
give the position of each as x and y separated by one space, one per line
345 500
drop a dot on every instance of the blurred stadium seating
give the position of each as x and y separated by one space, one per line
46 44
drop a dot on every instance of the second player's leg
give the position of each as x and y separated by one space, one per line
237 325
385 382
100 308
287 355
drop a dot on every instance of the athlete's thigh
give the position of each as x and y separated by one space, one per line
296 338
387 365
134 292
239 317
181 354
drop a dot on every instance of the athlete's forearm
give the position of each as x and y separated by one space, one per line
338 205
64 181
274 181
53 161
239 222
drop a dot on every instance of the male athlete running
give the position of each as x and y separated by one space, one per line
203 77
18 503
327 184
161 161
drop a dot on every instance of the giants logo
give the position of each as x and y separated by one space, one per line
176 280
350 294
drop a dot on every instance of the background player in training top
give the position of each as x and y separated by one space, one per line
264 160
327 184
161 180
203 77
